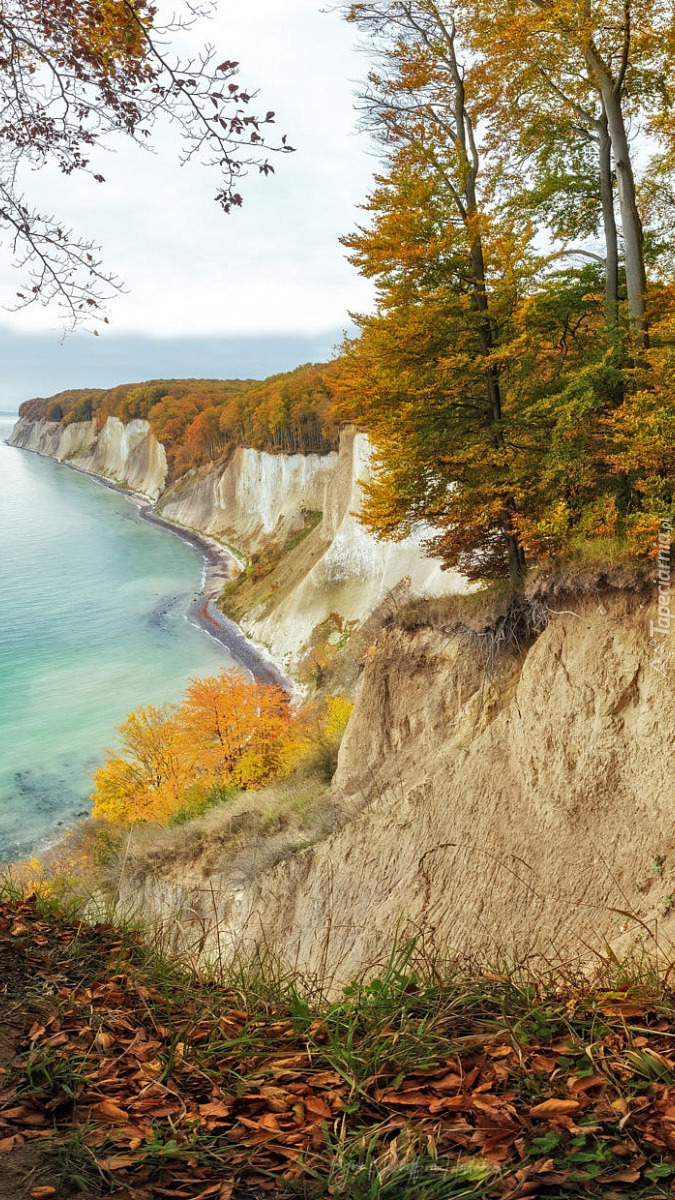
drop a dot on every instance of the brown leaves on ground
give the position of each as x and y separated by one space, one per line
182 1092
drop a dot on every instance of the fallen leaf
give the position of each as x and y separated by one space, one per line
587 1084
117 1162
449 1104
621 1010
269 1121
627 1176
408 1099
106 1110
543 1062
554 1108
317 1106
216 1108
278 1100
449 1083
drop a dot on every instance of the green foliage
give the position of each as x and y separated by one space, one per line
196 802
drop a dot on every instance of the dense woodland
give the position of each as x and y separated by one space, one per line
199 420
517 373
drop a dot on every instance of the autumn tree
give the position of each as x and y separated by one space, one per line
550 129
74 73
149 777
448 285
228 733
492 375
607 64
245 732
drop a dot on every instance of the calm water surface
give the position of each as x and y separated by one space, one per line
94 610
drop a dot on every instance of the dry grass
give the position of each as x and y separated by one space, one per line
241 837
434 1081
476 609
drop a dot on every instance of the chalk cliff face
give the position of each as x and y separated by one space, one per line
521 812
352 572
129 455
254 498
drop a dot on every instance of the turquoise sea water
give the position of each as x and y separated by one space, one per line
94 607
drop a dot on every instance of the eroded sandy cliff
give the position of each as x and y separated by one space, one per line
519 814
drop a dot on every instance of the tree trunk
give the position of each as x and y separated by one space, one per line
517 564
609 225
633 238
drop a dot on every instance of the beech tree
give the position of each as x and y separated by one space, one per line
608 64
420 102
545 117
227 733
501 389
74 73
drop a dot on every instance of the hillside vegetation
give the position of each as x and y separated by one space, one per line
199 420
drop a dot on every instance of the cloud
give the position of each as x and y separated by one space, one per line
275 267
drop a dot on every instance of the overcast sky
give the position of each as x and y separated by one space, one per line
204 287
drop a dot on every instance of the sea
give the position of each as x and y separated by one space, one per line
95 620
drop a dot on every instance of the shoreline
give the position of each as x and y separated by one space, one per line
218 569
218 562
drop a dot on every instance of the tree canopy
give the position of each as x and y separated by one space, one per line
200 420
515 375
227 734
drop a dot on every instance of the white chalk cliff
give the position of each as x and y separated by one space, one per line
128 455
254 497
353 571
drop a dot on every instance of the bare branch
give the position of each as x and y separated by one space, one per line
74 72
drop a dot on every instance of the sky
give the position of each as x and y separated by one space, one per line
209 295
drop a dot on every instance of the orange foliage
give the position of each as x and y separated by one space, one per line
227 733
244 733
201 420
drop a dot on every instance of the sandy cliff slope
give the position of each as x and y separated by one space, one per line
522 814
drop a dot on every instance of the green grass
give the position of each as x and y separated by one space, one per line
256 584
402 1061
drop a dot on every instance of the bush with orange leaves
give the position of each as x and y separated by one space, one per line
227 734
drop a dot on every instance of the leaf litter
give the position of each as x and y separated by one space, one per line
195 1091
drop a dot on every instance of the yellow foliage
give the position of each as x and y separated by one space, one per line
227 733
321 729
65 871
338 710
145 781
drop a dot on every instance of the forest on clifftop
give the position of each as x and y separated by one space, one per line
199 420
